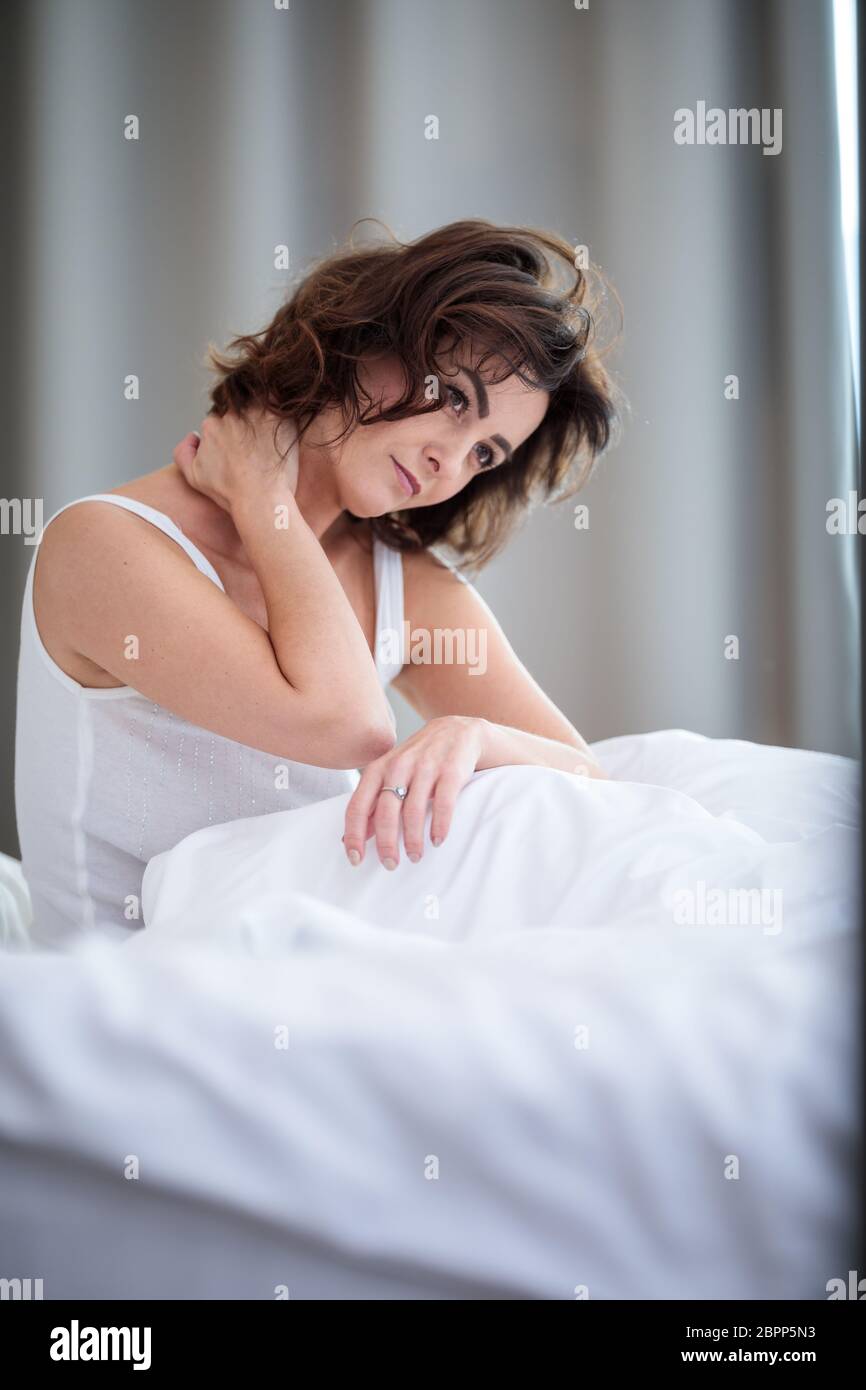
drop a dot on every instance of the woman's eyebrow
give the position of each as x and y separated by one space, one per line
480 391
484 409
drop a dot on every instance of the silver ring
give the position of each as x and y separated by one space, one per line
402 792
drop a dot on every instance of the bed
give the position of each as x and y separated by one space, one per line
603 1044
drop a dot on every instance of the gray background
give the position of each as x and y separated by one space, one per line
260 127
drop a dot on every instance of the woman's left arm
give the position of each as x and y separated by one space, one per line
483 710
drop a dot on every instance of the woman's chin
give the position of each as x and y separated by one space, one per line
367 506
367 510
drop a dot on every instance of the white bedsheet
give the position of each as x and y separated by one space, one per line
549 1088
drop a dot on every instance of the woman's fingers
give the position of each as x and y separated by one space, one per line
447 790
183 454
431 768
415 811
374 810
361 811
387 819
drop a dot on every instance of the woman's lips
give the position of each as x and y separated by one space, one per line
408 482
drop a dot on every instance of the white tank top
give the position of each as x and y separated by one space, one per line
105 779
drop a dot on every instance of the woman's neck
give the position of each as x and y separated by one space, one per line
209 523
316 491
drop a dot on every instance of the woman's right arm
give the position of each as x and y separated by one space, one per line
307 690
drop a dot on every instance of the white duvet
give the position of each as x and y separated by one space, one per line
601 1043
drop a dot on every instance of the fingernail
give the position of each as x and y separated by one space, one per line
354 857
437 840
414 858
390 863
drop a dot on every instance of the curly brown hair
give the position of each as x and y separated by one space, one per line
515 292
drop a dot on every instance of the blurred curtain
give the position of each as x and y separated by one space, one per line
261 127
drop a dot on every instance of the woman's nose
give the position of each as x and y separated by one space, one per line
445 463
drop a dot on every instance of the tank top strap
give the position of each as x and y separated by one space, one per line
159 519
388 573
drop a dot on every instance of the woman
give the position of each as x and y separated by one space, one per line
205 643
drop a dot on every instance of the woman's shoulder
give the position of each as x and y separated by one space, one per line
125 510
75 516
435 593
429 567
88 552
72 543
86 526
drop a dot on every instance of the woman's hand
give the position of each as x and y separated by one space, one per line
235 458
435 763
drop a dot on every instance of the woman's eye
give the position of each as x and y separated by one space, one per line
460 401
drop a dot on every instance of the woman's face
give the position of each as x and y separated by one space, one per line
397 465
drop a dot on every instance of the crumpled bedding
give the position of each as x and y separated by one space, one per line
542 1063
